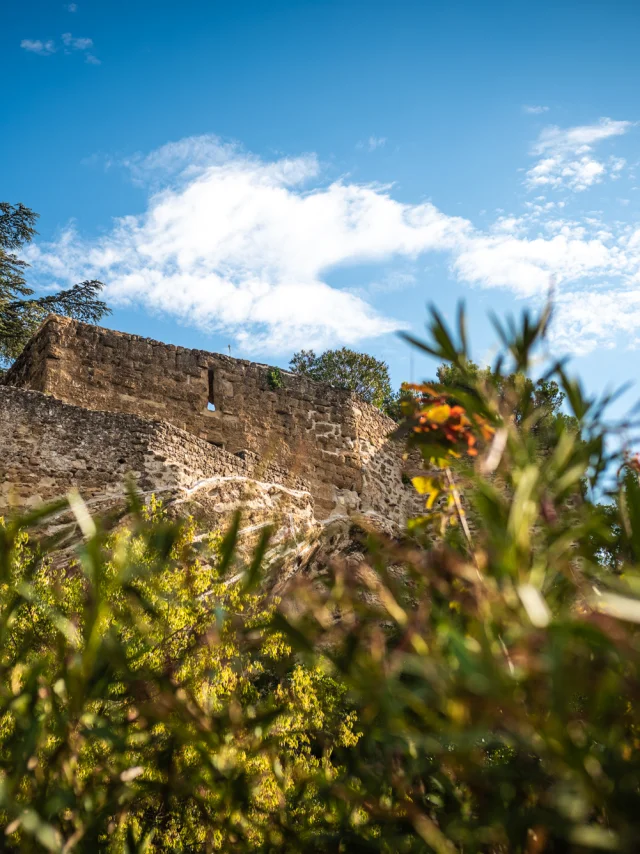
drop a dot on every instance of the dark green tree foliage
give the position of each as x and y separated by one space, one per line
367 376
395 405
537 403
620 550
20 311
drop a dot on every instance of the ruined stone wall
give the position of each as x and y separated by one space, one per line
327 437
386 490
48 447
30 368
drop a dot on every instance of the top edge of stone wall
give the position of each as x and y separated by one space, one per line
40 338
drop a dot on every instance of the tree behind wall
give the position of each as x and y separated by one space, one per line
20 311
344 368
537 406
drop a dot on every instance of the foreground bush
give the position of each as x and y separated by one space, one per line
141 707
472 689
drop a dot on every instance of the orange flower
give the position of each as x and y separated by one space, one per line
445 423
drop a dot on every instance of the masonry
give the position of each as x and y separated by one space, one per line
307 432
54 447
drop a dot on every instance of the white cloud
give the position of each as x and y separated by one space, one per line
183 160
36 46
527 265
69 42
372 143
232 242
595 271
586 321
565 158
244 245
556 172
71 7
76 43
578 139
534 110
616 165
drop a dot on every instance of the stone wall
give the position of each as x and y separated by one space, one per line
329 438
48 447
386 491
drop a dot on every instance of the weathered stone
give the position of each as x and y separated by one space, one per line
136 405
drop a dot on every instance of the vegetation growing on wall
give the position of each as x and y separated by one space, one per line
275 378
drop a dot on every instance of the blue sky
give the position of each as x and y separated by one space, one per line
273 175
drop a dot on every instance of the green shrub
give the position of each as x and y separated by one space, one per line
142 706
275 378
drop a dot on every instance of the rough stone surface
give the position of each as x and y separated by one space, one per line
174 416
49 448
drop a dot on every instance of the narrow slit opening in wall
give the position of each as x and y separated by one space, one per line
211 406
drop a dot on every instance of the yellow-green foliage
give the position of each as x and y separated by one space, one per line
142 700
